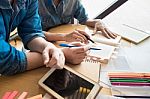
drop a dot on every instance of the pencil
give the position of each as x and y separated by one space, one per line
89 39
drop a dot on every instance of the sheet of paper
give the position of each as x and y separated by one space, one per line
101 96
143 91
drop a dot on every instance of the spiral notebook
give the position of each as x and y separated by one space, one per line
89 68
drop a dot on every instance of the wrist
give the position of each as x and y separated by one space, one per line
64 50
63 37
50 45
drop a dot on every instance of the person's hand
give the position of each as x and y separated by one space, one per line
75 55
77 36
53 57
100 26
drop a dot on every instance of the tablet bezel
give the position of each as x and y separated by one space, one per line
94 91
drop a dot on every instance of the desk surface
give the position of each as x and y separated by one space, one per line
137 55
27 81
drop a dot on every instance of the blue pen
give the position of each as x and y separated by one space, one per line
68 45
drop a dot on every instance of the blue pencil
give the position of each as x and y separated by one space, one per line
68 45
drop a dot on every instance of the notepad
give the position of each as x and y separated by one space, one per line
104 54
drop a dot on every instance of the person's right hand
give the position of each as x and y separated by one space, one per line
75 55
76 36
53 57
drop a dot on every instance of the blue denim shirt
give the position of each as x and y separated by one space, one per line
62 14
23 14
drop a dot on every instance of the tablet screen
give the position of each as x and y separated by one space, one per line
68 84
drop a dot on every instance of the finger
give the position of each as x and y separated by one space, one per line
94 31
87 47
77 37
46 56
60 60
54 59
77 43
83 33
114 34
52 62
105 34
110 33
85 39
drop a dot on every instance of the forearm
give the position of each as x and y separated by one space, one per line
38 44
34 60
54 36
91 22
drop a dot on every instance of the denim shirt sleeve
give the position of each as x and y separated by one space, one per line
11 60
80 13
30 27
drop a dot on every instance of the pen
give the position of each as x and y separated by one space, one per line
89 39
123 96
69 45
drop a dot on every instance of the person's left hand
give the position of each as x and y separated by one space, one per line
100 26
53 57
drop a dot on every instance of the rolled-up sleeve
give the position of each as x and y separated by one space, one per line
80 13
30 27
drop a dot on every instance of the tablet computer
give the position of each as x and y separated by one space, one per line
68 84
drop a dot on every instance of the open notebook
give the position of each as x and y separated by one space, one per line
107 45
